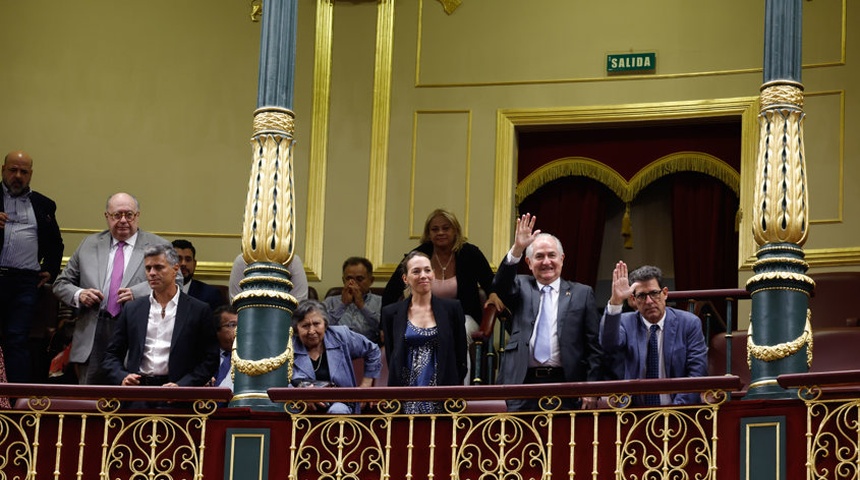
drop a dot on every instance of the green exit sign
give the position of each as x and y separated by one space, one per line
631 63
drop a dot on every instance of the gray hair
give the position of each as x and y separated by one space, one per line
308 306
530 250
162 249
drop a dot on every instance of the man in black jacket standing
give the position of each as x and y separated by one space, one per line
31 249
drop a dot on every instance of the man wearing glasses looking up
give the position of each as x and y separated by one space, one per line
654 341
105 272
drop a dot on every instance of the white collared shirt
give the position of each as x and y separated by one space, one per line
159 333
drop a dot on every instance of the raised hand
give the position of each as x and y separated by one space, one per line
621 287
524 235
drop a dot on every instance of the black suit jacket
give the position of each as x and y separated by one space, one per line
48 231
451 329
206 293
578 326
193 347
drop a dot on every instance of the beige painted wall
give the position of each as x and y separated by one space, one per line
156 98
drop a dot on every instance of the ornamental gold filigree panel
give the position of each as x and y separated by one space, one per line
102 441
833 430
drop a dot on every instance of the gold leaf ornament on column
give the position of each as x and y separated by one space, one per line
450 5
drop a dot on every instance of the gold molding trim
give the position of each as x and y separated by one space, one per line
763 383
782 350
627 191
380 129
318 144
450 5
791 276
507 122
840 182
90 231
468 168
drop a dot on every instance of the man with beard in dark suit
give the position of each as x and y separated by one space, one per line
31 249
188 265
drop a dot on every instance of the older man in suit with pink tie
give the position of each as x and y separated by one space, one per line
105 272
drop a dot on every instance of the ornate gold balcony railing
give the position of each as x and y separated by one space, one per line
79 432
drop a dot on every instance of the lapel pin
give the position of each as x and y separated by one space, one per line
566 294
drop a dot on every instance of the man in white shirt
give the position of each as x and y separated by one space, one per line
166 338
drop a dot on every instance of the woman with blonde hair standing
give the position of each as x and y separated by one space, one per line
459 267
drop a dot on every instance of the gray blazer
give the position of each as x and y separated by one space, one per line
87 268
578 327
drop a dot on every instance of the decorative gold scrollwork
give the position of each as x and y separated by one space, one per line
263 366
782 350
784 94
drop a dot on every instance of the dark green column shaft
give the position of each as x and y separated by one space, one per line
262 358
780 332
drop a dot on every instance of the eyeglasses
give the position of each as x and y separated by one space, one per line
654 294
120 215
230 325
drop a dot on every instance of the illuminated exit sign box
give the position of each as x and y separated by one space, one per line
631 63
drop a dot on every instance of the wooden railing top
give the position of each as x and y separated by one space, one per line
502 392
737 293
95 392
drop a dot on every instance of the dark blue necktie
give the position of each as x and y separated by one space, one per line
224 369
652 364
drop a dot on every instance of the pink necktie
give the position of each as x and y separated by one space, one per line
113 306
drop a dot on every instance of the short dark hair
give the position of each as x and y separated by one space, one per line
645 273
162 249
358 261
307 307
185 244
216 314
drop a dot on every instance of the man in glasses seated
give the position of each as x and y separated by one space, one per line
104 273
654 341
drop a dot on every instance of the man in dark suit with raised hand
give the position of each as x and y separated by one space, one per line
104 273
31 249
166 338
656 341
188 265
555 326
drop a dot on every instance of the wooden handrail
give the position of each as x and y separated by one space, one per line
501 392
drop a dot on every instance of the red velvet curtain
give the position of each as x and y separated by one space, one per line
703 232
574 210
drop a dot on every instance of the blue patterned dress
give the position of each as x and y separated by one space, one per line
420 371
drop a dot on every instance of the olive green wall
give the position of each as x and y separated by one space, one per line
156 98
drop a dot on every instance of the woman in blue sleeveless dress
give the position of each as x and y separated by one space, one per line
425 337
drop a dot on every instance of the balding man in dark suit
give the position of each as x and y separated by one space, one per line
555 327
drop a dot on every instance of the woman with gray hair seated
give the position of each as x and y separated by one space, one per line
324 354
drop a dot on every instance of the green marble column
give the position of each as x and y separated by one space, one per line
780 337
262 356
